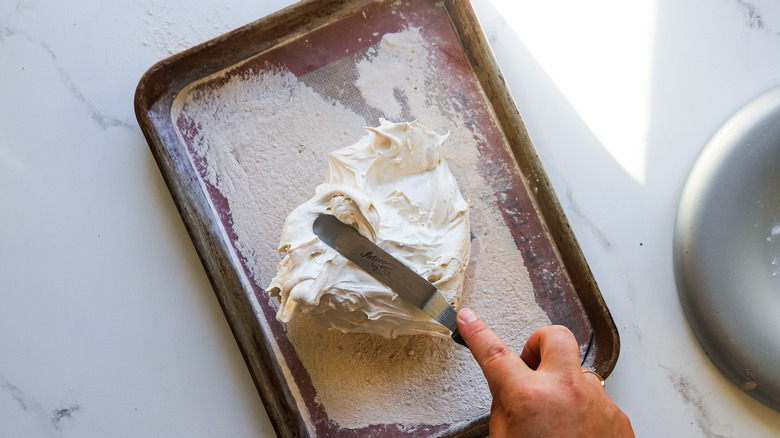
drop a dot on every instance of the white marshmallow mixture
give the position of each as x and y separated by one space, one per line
396 189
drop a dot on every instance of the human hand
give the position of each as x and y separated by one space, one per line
543 392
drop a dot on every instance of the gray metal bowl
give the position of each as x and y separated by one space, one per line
727 249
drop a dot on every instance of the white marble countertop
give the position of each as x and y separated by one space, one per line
108 324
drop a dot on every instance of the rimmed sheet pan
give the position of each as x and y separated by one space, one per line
310 38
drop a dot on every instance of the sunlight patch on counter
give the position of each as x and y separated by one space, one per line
610 90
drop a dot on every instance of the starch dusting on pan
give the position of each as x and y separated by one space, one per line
265 139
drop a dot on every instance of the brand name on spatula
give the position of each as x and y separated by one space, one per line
378 264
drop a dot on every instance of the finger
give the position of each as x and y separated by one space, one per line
499 365
593 377
552 347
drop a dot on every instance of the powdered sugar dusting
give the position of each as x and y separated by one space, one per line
264 138
774 233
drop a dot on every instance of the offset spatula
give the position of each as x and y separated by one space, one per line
388 270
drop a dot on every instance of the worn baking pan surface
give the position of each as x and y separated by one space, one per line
241 126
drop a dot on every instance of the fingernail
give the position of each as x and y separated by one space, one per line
468 315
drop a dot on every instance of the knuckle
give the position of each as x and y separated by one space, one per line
495 353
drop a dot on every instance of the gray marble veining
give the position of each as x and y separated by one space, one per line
694 398
102 120
52 419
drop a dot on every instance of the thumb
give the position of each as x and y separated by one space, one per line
499 364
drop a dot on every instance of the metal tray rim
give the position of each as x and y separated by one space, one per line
162 82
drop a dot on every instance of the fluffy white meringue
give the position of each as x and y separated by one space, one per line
395 188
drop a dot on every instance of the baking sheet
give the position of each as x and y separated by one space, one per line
318 42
